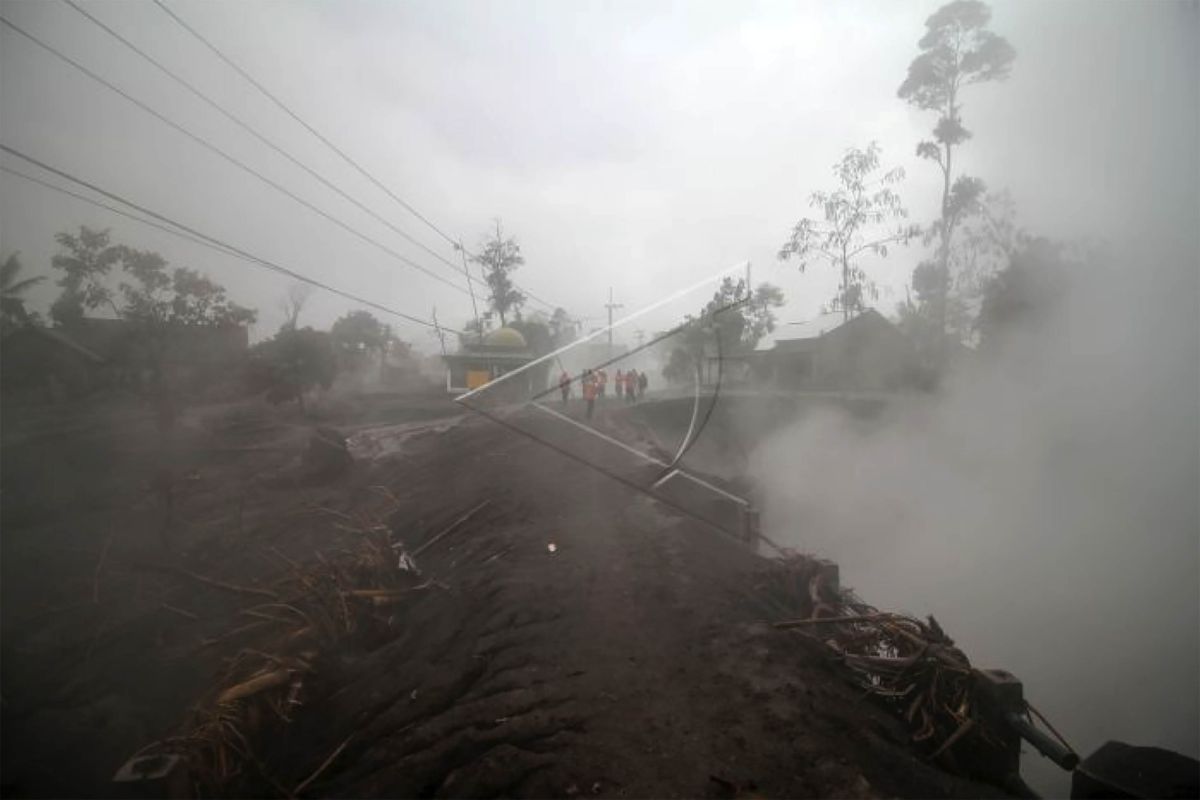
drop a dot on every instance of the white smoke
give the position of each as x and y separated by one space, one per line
1045 506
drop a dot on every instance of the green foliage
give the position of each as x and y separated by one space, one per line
1022 294
563 329
986 239
862 216
681 367
957 50
151 296
536 330
10 270
472 332
540 338
359 333
729 321
85 260
12 305
292 362
500 256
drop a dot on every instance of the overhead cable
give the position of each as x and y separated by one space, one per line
324 140
231 159
265 263
256 134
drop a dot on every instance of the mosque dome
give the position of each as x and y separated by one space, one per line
505 339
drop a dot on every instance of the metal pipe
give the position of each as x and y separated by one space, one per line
1062 756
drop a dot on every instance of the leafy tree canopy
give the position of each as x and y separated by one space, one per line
149 295
862 216
360 332
957 50
729 321
12 287
292 362
499 257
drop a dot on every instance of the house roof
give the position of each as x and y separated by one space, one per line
814 328
800 336
57 337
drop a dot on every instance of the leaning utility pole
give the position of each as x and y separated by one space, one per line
470 288
437 329
611 306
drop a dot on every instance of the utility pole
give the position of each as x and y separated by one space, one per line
471 288
611 306
441 334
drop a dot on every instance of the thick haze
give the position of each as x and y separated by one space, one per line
635 145
1044 509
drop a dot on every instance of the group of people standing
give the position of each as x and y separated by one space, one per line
629 384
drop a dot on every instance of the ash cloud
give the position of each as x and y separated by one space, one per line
1043 506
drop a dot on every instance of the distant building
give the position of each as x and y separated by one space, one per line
864 353
45 365
481 361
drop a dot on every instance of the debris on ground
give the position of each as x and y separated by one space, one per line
912 667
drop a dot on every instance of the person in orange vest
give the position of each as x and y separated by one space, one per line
618 383
590 388
603 376
564 386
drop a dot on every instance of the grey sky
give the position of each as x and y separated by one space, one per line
636 145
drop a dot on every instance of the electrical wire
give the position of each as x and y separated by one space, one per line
231 159
218 243
256 134
119 211
344 156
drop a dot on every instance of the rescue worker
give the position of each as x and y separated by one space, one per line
618 382
631 380
643 382
564 386
603 378
590 387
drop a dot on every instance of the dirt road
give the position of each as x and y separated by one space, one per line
576 638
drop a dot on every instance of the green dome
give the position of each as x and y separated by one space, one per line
505 339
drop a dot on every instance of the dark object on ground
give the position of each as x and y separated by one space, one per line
327 454
1121 770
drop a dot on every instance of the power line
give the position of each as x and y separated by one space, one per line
218 243
116 210
246 127
231 159
266 93
354 164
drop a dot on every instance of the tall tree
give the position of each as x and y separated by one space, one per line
958 50
863 215
500 256
292 303
85 260
12 287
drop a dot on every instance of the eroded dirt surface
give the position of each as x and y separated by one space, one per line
630 659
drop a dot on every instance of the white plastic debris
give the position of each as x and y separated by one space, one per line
552 547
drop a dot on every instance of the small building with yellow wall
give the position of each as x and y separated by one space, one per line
482 361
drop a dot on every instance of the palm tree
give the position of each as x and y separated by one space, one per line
11 303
